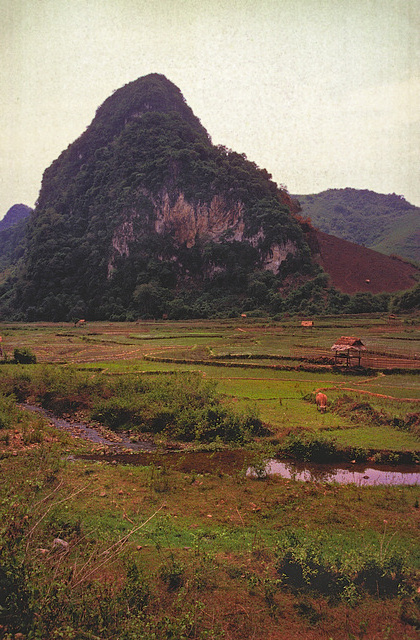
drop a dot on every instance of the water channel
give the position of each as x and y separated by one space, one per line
122 450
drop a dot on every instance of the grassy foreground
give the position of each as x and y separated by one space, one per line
96 550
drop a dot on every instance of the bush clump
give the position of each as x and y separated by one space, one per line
310 447
303 565
184 408
23 355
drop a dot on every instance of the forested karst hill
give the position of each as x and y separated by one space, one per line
386 223
142 216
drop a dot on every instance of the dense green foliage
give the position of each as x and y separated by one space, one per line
407 300
12 244
23 355
386 223
306 564
13 235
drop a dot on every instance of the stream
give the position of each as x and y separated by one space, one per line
81 430
125 451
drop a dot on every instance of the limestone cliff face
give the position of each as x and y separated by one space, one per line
277 254
123 236
189 222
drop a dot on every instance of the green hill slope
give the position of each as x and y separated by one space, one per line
386 223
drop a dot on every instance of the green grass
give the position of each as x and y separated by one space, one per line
376 438
206 547
398 386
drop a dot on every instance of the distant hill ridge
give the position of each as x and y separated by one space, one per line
386 223
15 214
13 234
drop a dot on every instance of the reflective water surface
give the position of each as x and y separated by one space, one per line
343 474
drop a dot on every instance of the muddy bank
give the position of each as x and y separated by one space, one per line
225 462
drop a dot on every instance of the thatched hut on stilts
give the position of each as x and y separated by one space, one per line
348 348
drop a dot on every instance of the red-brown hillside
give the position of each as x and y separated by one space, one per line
353 268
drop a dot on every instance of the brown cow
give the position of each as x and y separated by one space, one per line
321 402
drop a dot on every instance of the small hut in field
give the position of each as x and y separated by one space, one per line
348 348
307 323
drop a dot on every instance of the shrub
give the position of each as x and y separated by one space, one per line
183 406
310 447
381 576
173 574
23 355
118 413
135 593
302 565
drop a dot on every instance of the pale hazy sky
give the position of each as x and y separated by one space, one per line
321 93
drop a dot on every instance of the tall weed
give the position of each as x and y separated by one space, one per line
184 406
8 412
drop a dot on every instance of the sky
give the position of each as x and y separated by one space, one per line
321 93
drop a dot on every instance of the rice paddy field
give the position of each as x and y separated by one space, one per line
185 542
271 366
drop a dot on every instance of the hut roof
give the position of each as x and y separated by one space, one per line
345 343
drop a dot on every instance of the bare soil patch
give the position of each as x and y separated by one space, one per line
354 269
